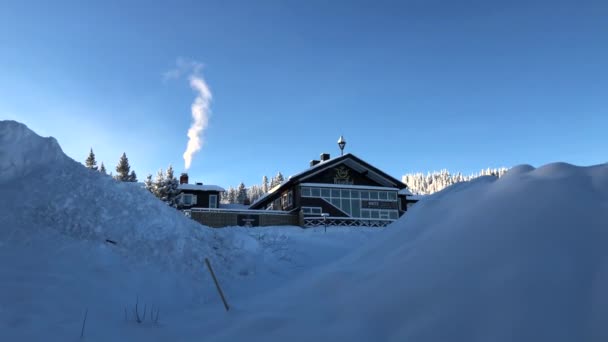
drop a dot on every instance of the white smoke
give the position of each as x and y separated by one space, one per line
200 117
200 107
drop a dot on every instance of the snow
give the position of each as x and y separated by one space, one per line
405 191
520 258
203 187
514 259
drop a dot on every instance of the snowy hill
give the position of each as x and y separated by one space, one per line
520 258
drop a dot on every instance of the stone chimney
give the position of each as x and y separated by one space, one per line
183 179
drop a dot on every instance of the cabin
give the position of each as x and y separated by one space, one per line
197 195
343 191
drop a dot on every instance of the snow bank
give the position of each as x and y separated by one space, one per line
55 219
22 151
522 258
44 189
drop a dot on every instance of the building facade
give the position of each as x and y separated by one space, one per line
342 191
197 195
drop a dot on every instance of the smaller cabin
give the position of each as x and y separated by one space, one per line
197 195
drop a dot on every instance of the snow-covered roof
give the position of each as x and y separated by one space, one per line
348 186
405 191
204 187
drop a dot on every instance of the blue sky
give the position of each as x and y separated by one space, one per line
412 85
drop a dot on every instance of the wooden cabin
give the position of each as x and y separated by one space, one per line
197 195
345 190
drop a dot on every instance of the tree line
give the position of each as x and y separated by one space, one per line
164 186
421 184
247 195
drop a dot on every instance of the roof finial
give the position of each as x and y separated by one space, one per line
341 144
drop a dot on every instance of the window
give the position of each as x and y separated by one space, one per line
212 201
354 194
383 195
394 215
345 193
312 210
187 199
365 213
346 206
305 191
392 196
365 194
373 195
316 192
356 207
290 198
325 193
335 193
374 214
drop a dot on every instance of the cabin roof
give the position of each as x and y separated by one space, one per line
349 160
205 187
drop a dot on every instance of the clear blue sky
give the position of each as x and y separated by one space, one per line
412 85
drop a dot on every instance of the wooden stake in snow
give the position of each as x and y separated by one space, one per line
217 285
83 323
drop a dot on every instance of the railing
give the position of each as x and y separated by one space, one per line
238 211
345 222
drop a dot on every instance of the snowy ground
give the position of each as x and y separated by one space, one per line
521 258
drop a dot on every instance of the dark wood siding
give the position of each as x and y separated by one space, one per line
202 198
329 176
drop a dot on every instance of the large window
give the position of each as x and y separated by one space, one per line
312 210
349 201
187 199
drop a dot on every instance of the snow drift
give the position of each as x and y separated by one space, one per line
55 219
521 258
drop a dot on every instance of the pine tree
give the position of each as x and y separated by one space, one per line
102 169
265 184
232 195
241 193
91 163
148 184
132 177
159 188
122 169
171 185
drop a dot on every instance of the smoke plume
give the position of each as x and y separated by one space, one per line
200 117
200 107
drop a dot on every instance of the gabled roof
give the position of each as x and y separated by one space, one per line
197 187
349 160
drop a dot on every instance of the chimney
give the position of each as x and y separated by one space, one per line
314 162
324 157
199 183
183 179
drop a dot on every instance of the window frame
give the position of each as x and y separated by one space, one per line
214 201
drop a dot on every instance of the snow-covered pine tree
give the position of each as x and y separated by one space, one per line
159 188
91 163
241 193
102 169
265 184
436 181
232 195
122 169
171 185
132 176
148 184
276 180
